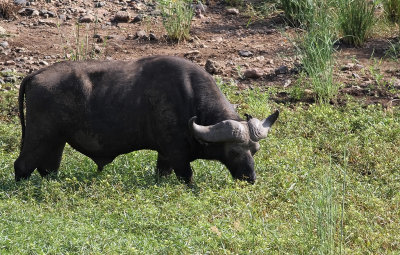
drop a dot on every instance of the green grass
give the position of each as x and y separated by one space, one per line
295 207
177 18
356 19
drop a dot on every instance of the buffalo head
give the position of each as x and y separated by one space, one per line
237 142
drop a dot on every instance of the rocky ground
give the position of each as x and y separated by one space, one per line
227 42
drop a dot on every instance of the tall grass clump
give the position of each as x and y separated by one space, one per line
392 11
177 18
298 12
319 217
316 51
355 20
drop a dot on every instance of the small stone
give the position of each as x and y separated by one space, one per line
2 31
9 63
245 53
347 67
200 7
212 67
287 83
191 54
270 61
50 23
253 73
20 2
260 58
282 70
97 48
99 4
137 18
4 44
1 81
11 79
43 63
232 11
141 34
153 37
26 11
122 16
35 13
86 19
218 39
354 75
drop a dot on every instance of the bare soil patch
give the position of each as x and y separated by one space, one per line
44 33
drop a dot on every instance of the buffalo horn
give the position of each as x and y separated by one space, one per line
224 131
259 129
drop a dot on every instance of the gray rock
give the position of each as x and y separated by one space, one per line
43 63
282 70
2 31
232 11
1 81
97 48
212 67
99 4
86 19
245 53
50 23
11 79
153 37
20 2
9 63
122 16
4 44
26 11
253 73
137 18
35 13
141 35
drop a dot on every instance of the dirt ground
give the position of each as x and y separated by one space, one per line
46 32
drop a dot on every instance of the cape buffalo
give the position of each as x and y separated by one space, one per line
107 108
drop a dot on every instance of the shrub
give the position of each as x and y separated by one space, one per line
356 18
7 9
316 51
298 12
392 10
177 18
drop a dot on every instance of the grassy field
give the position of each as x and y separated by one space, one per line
328 183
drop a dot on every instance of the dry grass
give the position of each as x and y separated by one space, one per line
7 9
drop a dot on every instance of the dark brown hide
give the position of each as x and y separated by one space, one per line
107 108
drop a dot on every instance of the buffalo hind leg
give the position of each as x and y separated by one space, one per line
45 155
50 162
164 167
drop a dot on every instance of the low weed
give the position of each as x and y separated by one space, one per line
355 20
82 46
177 18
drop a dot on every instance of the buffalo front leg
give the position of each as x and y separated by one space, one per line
184 172
164 167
